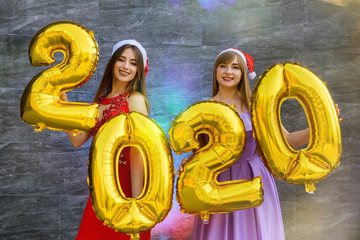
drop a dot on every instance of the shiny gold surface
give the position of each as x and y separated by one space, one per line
131 215
322 155
198 191
41 106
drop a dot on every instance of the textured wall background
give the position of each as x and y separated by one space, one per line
43 188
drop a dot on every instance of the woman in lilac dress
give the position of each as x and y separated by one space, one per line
231 86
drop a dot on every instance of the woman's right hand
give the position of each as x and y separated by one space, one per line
182 165
63 97
338 111
80 138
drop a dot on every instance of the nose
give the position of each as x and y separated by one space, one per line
126 64
228 70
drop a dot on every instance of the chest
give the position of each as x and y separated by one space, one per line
110 109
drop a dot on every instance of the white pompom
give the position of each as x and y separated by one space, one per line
252 75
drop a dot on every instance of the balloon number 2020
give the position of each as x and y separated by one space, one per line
198 191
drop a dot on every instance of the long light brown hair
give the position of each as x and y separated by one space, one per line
243 87
135 85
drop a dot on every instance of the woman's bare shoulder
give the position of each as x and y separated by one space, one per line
137 103
135 94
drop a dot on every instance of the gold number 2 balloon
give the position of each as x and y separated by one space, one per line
198 191
130 215
322 155
40 104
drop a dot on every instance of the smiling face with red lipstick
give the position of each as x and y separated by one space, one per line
229 74
125 71
125 67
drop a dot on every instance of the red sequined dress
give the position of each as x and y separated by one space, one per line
91 228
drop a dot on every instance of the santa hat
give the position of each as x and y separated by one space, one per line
248 60
136 44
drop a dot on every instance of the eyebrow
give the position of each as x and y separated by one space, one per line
233 64
132 59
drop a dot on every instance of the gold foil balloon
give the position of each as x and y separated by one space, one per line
322 155
198 191
131 215
40 103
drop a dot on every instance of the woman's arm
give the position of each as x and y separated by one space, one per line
297 139
80 138
136 103
300 138
137 172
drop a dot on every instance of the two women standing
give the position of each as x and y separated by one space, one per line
123 89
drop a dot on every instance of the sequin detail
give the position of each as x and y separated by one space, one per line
117 105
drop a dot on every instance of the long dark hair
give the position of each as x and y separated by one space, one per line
244 86
136 85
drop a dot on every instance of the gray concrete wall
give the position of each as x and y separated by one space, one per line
43 188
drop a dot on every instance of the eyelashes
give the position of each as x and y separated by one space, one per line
233 67
123 60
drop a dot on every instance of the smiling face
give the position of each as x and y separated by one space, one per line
229 74
226 74
125 67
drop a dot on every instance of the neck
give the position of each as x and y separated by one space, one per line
231 96
117 89
228 95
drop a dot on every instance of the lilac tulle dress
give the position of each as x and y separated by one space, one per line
261 223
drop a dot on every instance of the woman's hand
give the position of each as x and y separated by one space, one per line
182 165
338 111
63 97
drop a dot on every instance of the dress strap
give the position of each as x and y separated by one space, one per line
246 117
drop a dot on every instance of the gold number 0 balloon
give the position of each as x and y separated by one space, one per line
198 191
130 215
40 105
322 155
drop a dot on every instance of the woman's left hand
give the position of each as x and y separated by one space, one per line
338 111
63 97
182 165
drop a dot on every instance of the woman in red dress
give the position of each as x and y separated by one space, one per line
122 90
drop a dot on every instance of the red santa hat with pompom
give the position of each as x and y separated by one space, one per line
248 60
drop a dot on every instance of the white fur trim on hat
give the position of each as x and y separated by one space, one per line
235 51
133 43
